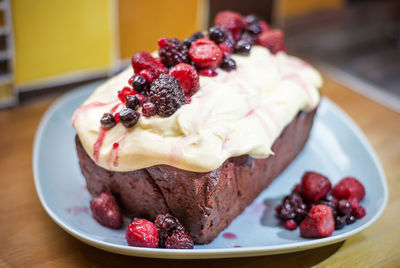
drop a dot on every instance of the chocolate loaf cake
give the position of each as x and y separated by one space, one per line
205 202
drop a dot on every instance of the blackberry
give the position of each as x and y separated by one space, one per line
166 94
132 102
227 64
128 117
340 222
242 47
139 83
293 207
173 52
216 34
167 225
108 121
179 240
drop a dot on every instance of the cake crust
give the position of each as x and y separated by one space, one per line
205 202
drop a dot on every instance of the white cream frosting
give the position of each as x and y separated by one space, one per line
234 113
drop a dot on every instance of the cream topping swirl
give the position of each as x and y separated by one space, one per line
234 113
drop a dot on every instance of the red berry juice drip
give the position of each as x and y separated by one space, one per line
229 236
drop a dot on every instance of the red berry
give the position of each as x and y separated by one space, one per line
126 91
188 100
226 50
179 240
264 26
162 42
130 81
208 72
349 187
290 224
148 75
297 189
144 61
205 54
148 109
230 21
187 77
273 40
106 211
318 223
141 98
142 233
116 116
354 203
344 207
314 186
359 212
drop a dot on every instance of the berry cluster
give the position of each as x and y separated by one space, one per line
318 209
160 86
165 232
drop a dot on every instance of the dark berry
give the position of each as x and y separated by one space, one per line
242 47
179 240
142 233
359 212
173 52
250 19
248 37
216 34
340 222
167 225
344 207
290 224
144 61
188 42
166 94
106 211
293 207
254 28
187 77
148 109
125 92
227 64
132 102
139 83
128 117
108 121
197 35
205 54
350 219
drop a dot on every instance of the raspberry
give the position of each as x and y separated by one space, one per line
359 212
290 224
148 109
106 211
144 61
166 94
297 189
231 21
273 40
126 91
187 77
108 121
205 54
148 75
318 223
128 117
314 186
226 50
179 240
142 233
293 207
264 26
349 187
173 52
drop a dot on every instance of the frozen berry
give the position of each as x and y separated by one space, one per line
314 186
188 42
162 42
228 64
242 47
139 83
318 223
254 28
354 203
231 21
344 207
216 34
147 75
350 219
349 187
264 26
273 40
173 52
249 37
125 92
251 19
144 61
297 189
106 211
197 35
187 77
292 207
359 212
340 222
166 94
166 225
142 233
178 240
205 54
141 98
148 109
290 224
208 72
108 121
132 102
128 117
226 50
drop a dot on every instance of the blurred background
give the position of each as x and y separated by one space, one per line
50 46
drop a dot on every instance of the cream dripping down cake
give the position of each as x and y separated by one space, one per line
200 128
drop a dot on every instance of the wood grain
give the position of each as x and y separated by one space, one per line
28 237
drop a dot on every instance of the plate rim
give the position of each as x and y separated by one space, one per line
203 253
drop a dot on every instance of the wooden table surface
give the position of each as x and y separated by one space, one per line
29 238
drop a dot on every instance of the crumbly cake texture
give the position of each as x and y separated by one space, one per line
205 202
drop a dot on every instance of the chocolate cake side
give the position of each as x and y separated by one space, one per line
206 203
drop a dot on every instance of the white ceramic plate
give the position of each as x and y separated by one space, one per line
336 148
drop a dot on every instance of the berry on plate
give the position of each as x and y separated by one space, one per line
349 187
142 233
318 223
106 211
